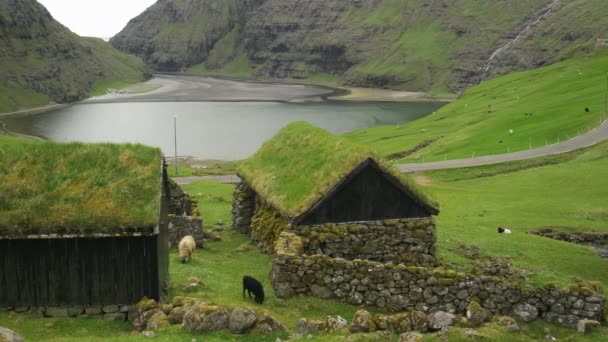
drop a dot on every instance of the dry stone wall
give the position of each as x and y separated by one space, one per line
401 287
108 312
410 241
243 206
180 226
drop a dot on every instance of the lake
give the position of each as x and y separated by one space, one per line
209 130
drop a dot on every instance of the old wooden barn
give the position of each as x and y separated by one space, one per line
305 179
81 225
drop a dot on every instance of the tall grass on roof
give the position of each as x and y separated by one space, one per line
78 188
302 163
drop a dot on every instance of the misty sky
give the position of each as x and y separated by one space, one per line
95 18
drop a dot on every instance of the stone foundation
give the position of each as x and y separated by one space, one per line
410 241
108 312
243 206
180 226
401 287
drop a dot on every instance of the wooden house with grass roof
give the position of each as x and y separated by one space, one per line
81 225
341 197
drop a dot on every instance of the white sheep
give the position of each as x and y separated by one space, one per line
186 248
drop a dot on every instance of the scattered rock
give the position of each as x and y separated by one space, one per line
525 312
309 326
157 320
242 320
193 283
440 320
362 322
268 324
476 314
243 248
203 318
211 235
585 326
334 323
149 334
9 336
411 336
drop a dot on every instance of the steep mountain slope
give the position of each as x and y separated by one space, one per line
435 45
42 61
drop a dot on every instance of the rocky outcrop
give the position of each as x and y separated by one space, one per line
43 61
375 43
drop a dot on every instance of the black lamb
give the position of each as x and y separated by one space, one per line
250 284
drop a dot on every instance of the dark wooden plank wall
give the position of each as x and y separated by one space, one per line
368 195
65 272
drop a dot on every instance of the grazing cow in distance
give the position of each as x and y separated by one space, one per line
502 230
250 285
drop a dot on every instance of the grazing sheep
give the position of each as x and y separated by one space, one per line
502 230
250 284
186 248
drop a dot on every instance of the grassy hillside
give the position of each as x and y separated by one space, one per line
43 62
567 192
543 106
434 46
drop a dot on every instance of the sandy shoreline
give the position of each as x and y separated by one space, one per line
192 88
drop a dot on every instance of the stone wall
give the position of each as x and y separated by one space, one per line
401 287
243 205
410 241
180 226
108 312
179 202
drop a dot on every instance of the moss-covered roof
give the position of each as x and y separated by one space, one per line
302 163
75 188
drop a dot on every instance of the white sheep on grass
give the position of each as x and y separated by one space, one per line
186 248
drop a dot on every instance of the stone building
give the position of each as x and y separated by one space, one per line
338 196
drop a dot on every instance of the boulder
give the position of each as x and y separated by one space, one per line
400 323
476 314
177 314
382 321
158 320
309 326
420 321
525 312
9 336
585 326
440 320
268 324
334 323
411 336
241 320
362 322
203 318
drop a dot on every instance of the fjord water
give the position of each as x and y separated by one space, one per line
210 130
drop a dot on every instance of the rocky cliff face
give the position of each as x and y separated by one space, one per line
435 45
42 61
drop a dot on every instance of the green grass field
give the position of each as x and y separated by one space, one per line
562 191
542 106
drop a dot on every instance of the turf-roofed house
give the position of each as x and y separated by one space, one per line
339 197
83 227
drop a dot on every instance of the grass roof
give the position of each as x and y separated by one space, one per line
302 163
75 188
